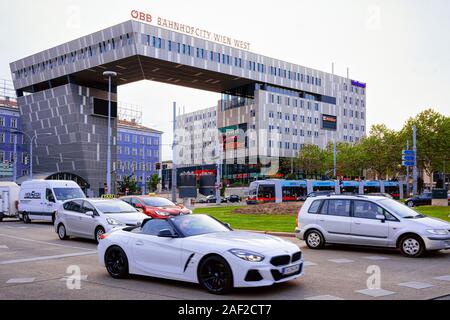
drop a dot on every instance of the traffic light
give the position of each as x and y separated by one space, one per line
26 159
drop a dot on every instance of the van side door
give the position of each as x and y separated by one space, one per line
335 219
366 228
49 205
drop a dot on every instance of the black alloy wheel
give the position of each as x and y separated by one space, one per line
215 275
116 262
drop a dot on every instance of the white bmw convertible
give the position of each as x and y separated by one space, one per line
200 249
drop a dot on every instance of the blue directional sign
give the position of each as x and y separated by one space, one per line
409 158
408 153
408 163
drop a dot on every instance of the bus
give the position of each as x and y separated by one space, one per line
348 187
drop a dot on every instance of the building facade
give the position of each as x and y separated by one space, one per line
282 105
138 152
14 157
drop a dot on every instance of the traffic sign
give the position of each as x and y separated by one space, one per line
408 153
409 158
408 163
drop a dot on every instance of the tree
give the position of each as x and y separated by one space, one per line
351 159
129 183
433 143
152 184
383 151
314 160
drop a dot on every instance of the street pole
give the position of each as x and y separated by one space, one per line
144 177
174 155
407 173
335 158
109 74
415 160
15 158
218 178
31 157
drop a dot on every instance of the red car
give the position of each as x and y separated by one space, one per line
155 207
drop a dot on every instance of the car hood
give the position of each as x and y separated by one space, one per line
243 240
432 223
132 218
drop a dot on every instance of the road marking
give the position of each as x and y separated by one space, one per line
444 278
324 297
21 280
376 258
416 285
376 293
61 256
4 247
341 261
309 264
42 242
9 227
81 278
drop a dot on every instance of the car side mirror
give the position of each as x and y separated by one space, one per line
166 233
381 217
90 213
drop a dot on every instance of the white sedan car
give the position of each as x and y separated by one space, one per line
90 218
200 249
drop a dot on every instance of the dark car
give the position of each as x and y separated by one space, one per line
425 199
212 199
234 199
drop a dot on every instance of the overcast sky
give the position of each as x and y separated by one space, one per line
400 48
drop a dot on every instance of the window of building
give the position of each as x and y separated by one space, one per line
13 123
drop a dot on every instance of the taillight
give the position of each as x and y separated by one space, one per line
103 236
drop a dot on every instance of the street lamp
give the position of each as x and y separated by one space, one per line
31 138
110 75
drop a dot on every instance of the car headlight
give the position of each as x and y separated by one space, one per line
247 255
439 232
161 213
113 222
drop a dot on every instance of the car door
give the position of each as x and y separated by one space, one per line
73 214
335 219
156 255
366 229
87 223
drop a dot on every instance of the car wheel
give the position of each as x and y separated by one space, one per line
410 204
98 233
62 232
314 239
215 275
412 246
26 219
116 262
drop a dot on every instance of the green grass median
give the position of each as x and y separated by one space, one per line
258 222
286 223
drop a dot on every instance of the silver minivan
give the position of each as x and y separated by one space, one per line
370 221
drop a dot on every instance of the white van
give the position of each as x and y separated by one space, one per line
9 197
40 199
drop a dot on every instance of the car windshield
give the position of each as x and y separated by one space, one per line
114 207
198 224
63 194
158 202
400 209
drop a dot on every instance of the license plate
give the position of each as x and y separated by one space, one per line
290 270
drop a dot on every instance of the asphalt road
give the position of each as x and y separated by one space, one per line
34 265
